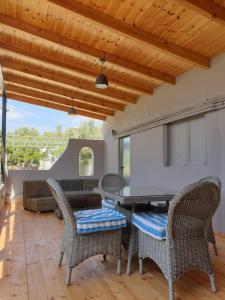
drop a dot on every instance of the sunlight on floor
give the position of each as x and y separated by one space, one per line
29 248
6 235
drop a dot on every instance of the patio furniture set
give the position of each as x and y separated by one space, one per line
173 229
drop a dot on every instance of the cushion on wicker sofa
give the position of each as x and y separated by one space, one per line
109 203
153 224
78 193
71 184
38 197
94 220
77 198
90 184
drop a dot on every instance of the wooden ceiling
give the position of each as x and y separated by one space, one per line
50 49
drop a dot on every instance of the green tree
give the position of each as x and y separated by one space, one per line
85 161
30 156
88 130
24 157
71 133
25 131
59 131
48 134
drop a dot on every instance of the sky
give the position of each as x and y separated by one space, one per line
22 114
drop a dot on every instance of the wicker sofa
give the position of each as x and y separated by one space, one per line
37 196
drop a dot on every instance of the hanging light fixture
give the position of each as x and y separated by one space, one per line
72 111
101 80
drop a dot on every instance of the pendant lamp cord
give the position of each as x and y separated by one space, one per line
102 63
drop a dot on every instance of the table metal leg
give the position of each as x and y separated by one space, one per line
167 204
132 248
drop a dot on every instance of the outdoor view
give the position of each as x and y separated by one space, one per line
36 136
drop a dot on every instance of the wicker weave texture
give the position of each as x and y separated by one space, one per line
114 182
111 182
79 247
211 235
80 201
71 184
189 216
37 195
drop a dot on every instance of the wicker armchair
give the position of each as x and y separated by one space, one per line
114 182
110 182
78 246
211 235
186 244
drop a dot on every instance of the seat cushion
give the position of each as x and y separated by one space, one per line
153 224
109 203
102 219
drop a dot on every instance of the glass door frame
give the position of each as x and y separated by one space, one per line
121 148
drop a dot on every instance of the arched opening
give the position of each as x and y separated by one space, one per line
86 162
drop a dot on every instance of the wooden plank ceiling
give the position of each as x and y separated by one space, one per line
50 50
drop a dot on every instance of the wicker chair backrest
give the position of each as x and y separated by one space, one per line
64 205
111 182
213 179
191 211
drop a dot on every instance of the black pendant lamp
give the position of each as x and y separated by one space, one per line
101 80
72 111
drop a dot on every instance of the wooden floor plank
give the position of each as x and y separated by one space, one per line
36 282
29 247
5 272
5 255
18 287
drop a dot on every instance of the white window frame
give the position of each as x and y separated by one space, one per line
168 146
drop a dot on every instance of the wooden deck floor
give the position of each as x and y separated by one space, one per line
28 268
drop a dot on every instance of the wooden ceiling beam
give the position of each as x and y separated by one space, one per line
15 88
83 48
40 102
52 87
132 32
208 8
45 71
130 87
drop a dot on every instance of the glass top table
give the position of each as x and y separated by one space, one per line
133 194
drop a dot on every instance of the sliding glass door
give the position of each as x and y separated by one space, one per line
124 158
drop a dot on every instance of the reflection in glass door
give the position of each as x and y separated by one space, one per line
124 158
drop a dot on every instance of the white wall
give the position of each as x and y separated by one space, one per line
147 165
66 167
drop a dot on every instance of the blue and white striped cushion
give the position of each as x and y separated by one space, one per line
153 224
94 220
109 203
